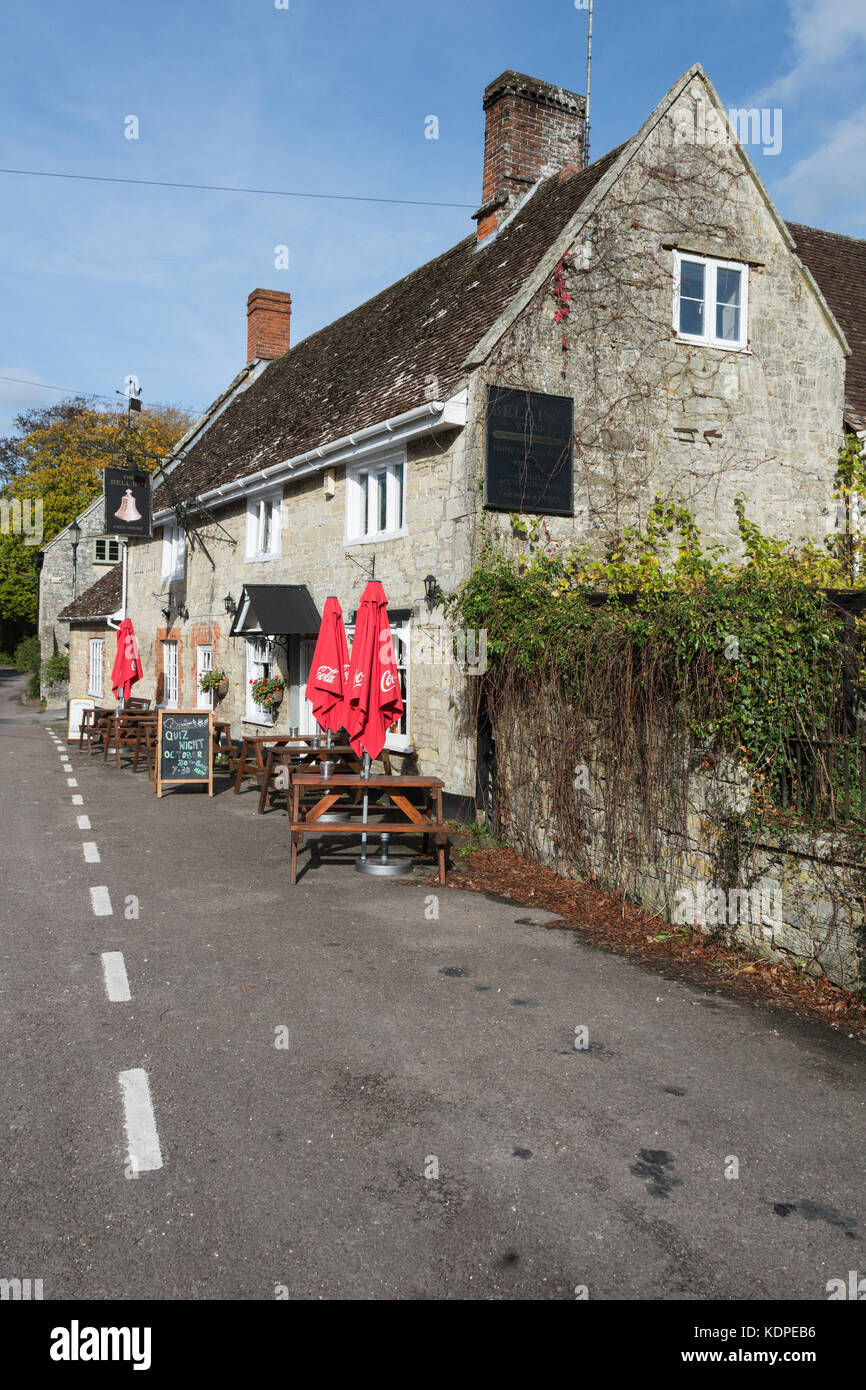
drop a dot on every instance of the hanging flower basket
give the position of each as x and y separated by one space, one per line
214 682
267 692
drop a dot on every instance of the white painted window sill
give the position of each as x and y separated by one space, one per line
374 540
711 343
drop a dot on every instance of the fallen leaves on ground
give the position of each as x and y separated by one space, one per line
607 920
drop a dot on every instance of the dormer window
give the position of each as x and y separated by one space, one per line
710 301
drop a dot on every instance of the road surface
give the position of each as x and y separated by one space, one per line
215 1086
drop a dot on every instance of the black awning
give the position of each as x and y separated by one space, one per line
276 610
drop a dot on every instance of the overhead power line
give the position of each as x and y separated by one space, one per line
85 395
229 188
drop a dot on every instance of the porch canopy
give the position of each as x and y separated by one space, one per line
275 610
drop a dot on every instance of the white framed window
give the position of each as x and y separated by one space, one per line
106 550
263 526
260 665
203 664
173 549
308 724
95 655
399 740
376 500
711 301
170 692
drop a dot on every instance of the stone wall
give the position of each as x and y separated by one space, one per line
55 589
655 414
685 856
79 658
313 552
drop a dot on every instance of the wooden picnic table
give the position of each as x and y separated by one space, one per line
304 756
423 820
134 728
124 730
93 725
251 760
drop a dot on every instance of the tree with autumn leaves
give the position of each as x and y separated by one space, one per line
55 456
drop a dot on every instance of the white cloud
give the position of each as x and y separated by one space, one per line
832 177
824 34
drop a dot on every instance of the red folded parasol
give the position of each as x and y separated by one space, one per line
373 699
127 662
327 684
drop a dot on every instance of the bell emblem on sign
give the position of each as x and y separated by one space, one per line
128 511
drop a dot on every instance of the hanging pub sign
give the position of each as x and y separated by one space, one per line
127 502
184 748
529 452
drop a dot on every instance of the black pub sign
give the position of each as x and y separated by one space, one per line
127 502
529 453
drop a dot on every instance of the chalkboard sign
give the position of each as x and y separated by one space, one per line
528 463
184 748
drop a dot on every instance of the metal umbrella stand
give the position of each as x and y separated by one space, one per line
372 705
380 866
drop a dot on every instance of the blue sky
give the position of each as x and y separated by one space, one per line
331 96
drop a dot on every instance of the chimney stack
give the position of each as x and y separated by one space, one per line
532 129
269 319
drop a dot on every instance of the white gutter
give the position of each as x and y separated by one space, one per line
423 419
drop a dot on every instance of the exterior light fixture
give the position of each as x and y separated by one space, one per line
230 605
74 537
431 589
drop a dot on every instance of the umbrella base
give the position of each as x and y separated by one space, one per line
383 868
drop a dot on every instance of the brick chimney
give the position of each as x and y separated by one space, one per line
532 129
269 319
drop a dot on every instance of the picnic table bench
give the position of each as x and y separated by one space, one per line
293 758
426 820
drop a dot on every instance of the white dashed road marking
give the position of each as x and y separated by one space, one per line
100 901
78 800
83 822
71 782
91 853
116 980
141 1136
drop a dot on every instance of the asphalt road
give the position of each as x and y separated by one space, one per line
416 1044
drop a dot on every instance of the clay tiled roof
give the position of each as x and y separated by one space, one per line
99 601
838 264
375 362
